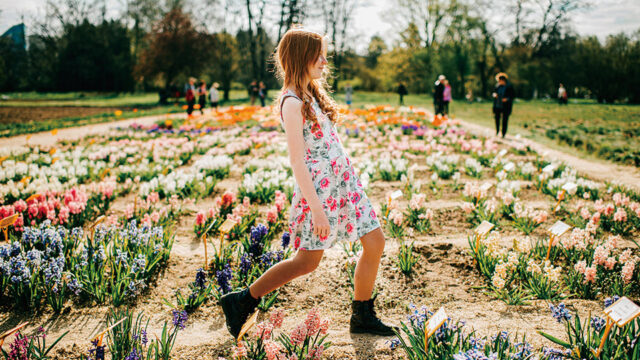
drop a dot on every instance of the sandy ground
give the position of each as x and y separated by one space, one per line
444 276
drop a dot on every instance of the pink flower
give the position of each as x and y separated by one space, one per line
63 216
153 197
590 274
276 318
155 217
585 214
20 206
610 263
608 210
128 212
620 215
627 271
595 218
264 330
625 256
272 349
200 219
600 255
272 215
372 214
239 351
581 267
468 207
345 176
355 197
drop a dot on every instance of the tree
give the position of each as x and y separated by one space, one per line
224 60
175 48
337 16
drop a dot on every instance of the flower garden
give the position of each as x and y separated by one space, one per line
122 243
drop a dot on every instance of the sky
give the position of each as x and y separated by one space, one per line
604 17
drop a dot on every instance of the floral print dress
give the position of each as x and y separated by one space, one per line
343 198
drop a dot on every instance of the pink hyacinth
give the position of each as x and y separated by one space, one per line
609 209
63 216
627 271
200 218
600 255
625 256
581 266
264 330
299 334
128 212
540 217
20 206
590 274
153 197
595 218
272 215
610 263
468 207
620 215
273 350
276 318
585 214
316 353
239 351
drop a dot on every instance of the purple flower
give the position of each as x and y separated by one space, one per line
286 239
224 277
133 355
560 312
245 264
201 279
179 318
597 323
393 343
609 301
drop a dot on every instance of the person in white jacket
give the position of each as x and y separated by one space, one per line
214 96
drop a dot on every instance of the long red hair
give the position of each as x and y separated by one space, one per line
297 51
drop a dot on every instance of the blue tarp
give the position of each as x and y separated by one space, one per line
16 33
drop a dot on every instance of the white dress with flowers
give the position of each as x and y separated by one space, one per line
343 198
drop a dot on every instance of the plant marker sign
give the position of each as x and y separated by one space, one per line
509 167
224 229
100 336
558 229
6 222
8 333
619 313
434 323
481 232
486 186
247 325
394 195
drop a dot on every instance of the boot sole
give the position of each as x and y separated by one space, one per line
371 332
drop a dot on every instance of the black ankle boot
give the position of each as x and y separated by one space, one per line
237 307
365 321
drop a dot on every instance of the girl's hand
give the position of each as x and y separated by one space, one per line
320 223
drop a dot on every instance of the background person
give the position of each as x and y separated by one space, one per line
503 97
214 95
438 95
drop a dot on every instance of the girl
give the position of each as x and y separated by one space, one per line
329 203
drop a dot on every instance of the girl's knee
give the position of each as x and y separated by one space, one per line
307 264
374 241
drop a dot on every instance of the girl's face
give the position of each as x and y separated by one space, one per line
316 68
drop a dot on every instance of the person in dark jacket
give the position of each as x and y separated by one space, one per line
503 97
438 95
190 95
402 91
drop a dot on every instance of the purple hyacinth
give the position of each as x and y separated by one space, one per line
258 233
133 355
286 239
609 301
245 264
224 278
393 343
179 319
597 323
560 312
201 279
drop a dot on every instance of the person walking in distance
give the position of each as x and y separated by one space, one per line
402 92
262 93
563 97
438 95
190 95
446 97
202 96
214 95
329 204
348 94
503 97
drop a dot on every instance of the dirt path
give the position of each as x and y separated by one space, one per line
597 170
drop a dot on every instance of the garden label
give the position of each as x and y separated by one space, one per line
570 188
248 324
483 229
6 222
509 167
434 323
623 311
8 333
502 152
396 194
226 226
559 228
486 186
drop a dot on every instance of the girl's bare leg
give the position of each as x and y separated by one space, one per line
281 273
367 268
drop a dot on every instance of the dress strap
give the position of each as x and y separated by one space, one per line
286 95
